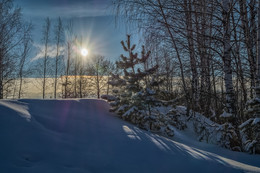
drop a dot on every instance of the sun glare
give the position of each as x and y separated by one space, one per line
84 52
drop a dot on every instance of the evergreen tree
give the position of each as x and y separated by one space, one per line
250 129
136 96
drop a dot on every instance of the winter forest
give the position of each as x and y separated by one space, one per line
195 64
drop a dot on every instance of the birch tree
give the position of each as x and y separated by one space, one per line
59 40
227 58
26 47
46 39
99 68
69 35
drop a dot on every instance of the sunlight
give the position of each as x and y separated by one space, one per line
130 133
84 52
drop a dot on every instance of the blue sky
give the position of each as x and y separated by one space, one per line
92 19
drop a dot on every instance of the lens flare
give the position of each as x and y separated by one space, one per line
84 52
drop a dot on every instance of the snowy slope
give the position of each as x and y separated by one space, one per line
45 136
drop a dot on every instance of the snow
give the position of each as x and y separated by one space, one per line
246 123
18 107
250 144
256 121
206 130
253 121
226 115
108 97
83 136
150 92
130 111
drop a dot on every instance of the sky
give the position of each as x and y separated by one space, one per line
93 20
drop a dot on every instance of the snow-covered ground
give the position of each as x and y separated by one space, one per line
45 136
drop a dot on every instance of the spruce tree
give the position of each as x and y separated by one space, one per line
135 95
250 129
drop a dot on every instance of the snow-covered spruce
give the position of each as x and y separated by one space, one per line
229 134
223 135
158 121
250 129
248 134
135 92
176 119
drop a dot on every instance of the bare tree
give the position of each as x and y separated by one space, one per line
174 44
58 39
46 39
187 6
81 69
110 69
26 43
78 67
10 37
248 39
98 68
69 34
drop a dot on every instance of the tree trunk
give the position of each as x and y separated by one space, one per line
58 40
241 98
80 79
258 51
230 105
26 48
76 61
97 75
1 74
67 72
165 21
249 43
46 33
189 28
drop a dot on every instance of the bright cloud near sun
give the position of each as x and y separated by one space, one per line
52 51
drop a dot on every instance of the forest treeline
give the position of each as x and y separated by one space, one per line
205 43
212 47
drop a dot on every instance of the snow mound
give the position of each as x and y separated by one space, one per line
18 107
83 136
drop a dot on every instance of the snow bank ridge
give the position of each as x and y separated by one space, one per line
17 106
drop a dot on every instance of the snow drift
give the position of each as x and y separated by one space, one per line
83 136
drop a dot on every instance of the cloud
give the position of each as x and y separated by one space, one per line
52 51
78 8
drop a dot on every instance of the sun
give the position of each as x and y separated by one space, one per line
84 52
